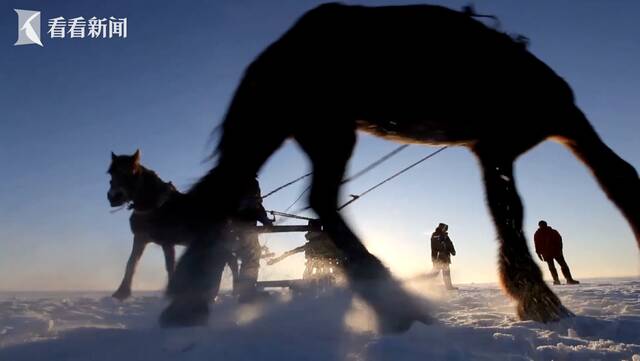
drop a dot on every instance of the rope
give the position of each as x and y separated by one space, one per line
358 196
287 184
299 197
376 163
349 179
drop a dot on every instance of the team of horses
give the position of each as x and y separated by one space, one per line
416 74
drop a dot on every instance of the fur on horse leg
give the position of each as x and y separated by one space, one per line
395 308
519 275
198 275
169 260
368 277
616 177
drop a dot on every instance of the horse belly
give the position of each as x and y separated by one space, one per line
423 131
160 229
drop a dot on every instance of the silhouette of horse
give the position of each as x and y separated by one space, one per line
157 216
417 74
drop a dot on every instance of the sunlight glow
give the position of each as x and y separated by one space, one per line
246 314
360 318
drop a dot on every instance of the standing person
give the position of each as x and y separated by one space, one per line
548 244
441 251
247 248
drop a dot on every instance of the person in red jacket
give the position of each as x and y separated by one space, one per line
549 248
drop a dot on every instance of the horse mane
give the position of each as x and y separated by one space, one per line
519 39
152 182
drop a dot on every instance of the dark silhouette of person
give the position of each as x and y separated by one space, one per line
323 257
247 247
441 251
548 244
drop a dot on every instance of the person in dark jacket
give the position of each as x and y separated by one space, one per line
247 248
548 244
441 251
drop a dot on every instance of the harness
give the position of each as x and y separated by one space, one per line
160 200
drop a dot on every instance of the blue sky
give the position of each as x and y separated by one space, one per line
165 87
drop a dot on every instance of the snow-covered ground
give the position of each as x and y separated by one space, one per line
475 323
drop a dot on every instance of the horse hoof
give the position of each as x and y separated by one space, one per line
543 307
396 324
121 295
395 308
184 314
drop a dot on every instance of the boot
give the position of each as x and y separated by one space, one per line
554 272
446 275
567 274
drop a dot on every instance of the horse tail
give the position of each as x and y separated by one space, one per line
214 137
616 177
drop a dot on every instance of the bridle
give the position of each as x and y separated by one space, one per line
131 188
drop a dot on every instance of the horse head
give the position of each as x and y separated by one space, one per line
124 171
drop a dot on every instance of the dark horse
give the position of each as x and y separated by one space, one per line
417 74
158 215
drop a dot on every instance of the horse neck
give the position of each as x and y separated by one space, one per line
150 189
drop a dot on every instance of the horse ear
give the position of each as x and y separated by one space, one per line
136 156
113 156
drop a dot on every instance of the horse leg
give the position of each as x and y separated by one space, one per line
519 274
169 259
124 291
202 264
232 263
395 308
616 177
248 140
